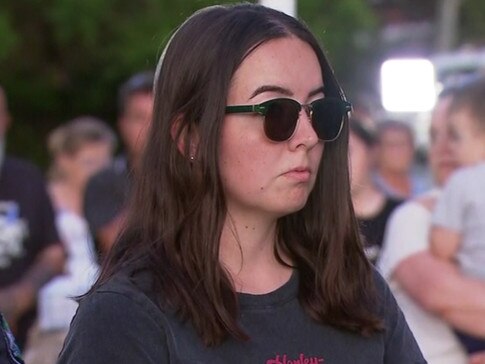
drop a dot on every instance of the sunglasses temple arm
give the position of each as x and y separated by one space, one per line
260 109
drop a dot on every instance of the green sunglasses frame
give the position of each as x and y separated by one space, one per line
262 109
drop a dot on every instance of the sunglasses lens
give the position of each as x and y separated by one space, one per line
327 118
280 119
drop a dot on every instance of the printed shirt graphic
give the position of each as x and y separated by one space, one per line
27 227
27 222
302 359
13 232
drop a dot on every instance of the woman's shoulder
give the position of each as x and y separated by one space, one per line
422 204
128 286
116 321
380 283
386 305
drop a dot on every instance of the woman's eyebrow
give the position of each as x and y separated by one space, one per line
283 91
320 90
271 88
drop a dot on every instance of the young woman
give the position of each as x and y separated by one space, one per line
241 245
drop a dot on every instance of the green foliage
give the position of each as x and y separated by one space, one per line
346 29
63 58
8 38
473 21
336 22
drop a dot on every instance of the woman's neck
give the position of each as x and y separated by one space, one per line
247 252
66 196
399 181
367 200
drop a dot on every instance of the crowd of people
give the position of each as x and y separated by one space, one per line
55 228
250 218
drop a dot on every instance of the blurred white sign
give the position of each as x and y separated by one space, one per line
408 85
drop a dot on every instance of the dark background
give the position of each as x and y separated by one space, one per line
63 58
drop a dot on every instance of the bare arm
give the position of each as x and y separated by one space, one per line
21 296
439 287
444 243
435 284
466 322
478 358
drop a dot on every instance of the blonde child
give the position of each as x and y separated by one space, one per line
458 232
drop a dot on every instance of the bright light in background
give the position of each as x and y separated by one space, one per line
286 6
408 85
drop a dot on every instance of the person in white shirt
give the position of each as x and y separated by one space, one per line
428 290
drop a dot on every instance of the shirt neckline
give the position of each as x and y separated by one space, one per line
281 295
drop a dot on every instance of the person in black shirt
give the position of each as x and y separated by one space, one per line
30 250
108 191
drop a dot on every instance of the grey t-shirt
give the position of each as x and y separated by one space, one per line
461 208
120 323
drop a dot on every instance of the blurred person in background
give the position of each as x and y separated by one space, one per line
424 286
30 250
107 191
458 233
372 206
394 169
78 148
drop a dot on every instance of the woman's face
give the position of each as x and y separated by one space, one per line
441 157
261 176
359 162
89 159
395 151
135 121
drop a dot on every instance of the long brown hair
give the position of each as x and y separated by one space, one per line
178 207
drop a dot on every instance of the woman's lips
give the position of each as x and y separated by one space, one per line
299 174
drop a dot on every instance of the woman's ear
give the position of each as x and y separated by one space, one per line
186 137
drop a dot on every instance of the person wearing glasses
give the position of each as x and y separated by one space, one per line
240 244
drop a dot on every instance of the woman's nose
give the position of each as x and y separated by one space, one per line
304 134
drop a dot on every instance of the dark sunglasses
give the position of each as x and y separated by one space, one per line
281 116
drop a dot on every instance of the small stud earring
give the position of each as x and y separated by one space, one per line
192 158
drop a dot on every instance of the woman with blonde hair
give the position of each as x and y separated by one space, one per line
78 149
